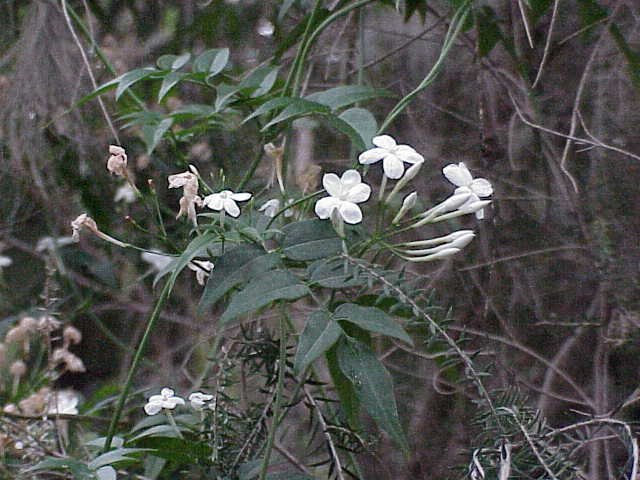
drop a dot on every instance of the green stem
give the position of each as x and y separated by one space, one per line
282 365
164 295
457 22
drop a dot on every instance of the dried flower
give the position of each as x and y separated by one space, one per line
30 324
63 402
16 334
392 155
117 163
72 363
71 335
460 176
84 221
345 192
190 199
166 399
198 400
226 200
18 368
48 323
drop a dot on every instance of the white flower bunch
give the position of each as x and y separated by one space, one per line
167 400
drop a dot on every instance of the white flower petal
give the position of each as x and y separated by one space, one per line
393 166
349 179
384 141
408 154
166 393
325 206
359 193
372 156
213 201
350 212
271 207
332 184
481 187
459 174
152 408
231 207
241 196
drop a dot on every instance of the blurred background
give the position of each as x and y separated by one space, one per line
540 97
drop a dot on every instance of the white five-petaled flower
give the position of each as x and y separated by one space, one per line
202 269
117 163
199 400
189 183
166 399
345 192
461 177
392 155
226 200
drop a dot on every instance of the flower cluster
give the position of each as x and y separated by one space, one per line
168 400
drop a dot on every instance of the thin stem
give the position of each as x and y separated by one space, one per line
279 394
164 295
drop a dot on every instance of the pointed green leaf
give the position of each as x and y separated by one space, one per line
310 240
344 388
371 319
211 61
373 386
269 106
363 123
115 456
168 82
339 97
267 288
267 83
331 273
197 246
153 133
297 108
236 266
319 335
79 470
130 78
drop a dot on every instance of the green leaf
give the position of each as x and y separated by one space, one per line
297 108
79 470
344 388
130 78
152 134
363 123
489 33
157 431
371 319
289 476
236 266
115 456
268 287
330 273
173 62
224 93
339 97
192 110
168 82
310 240
199 244
319 335
373 386
211 61
631 56
269 106
267 83
260 78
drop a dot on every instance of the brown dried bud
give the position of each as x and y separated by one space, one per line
16 335
18 368
29 323
71 335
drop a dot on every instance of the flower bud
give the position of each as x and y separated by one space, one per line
407 204
442 254
18 368
338 222
409 175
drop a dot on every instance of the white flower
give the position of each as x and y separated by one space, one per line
125 193
460 176
166 399
345 192
157 260
199 399
391 154
117 163
271 207
226 200
189 183
202 269
5 261
63 402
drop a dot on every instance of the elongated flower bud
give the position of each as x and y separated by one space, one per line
452 203
472 207
434 241
460 242
409 175
407 204
442 254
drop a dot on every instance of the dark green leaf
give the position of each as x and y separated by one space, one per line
168 82
153 133
330 273
339 97
363 123
269 106
212 61
319 335
371 319
373 386
267 288
224 93
489 33
344 388
236 266
130 78
192 110
195 248
297 108
267 83
310 240
173 62
79 470
115 456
